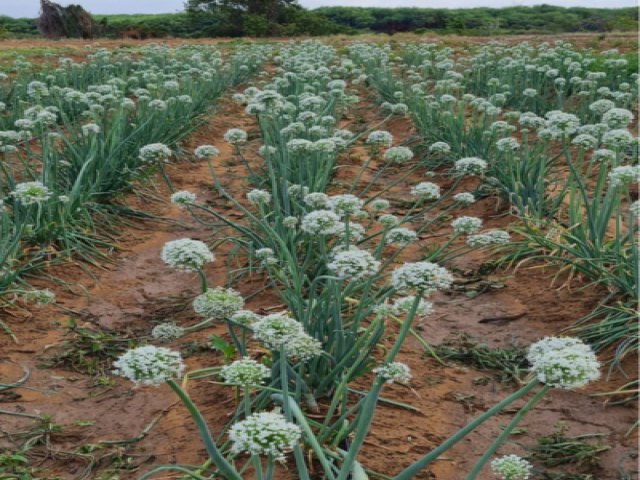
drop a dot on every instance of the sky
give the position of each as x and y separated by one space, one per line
30 8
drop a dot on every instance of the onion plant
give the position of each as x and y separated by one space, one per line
82 143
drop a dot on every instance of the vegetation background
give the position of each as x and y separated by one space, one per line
238 18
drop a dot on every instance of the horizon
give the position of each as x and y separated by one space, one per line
31 8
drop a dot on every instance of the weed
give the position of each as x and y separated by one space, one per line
87 351
560 449
509 362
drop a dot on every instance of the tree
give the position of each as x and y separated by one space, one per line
240 17
73 21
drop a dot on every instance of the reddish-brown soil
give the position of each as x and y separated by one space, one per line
136 291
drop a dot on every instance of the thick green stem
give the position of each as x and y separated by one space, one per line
364 422
286 403
404 329
505 433
306 431
205 435
412 470
203 281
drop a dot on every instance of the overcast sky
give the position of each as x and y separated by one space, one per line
29 8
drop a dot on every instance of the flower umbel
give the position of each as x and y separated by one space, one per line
186 254
264 433
563 362
218 303
245 372
395 372
421 276
511 467
167 332
149 365
29 193
353 264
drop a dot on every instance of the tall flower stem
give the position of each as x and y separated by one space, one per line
412 470
506 432
205 434
203 281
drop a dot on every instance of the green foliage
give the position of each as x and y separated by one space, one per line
256 18
89 351
147 26
219 344
484 21
286 18
18 27
510 362
84 172
559 449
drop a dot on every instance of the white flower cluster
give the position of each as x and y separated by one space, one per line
380 204
183 198
29 193
167 332
464 198
206 151
508 144
321 222
617 117
585 140
264 433
492 237
266 256
398 154
258 197
186 254
561 124
345 204
278 331
511 467
149 365
440 147
601 106
380 138
37 89
90 129
299 145
426 191
603 155
618 138
466 225
624 174
154 152
245 372
388 220
316 200
563 362
425 277
218 303
403 305
470 166
401 236
236 136
395 372
355 231
245 317
353 264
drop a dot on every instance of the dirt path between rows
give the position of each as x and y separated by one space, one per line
138 291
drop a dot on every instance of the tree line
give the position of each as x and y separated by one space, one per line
485 21
264 18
